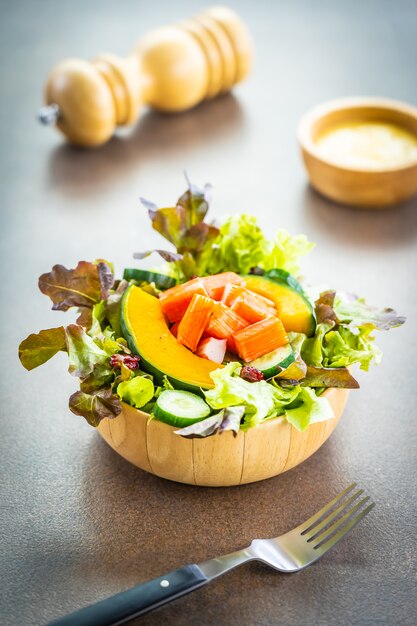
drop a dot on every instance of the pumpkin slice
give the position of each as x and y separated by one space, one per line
293 308
147 333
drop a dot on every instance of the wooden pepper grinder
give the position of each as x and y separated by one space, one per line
173 68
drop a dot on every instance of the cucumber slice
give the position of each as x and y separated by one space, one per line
274 362
161 280
180 408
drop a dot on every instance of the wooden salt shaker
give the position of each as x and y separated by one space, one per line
171 69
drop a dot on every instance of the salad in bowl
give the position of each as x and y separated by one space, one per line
219 357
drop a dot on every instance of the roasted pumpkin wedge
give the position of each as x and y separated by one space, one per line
293 308
147 333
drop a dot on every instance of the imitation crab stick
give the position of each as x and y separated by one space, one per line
224 322
174 329
195 319
215 284
252 308
260 338
264 299
212 349
231 293
174 301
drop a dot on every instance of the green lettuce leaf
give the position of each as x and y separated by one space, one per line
89 357
344 333
166 383
202 249
230 390
113 306
285 251
137 392
106 340
309 409
262 400
241 245
39 348
342 348
97 319
312 347
355 312
95 406
338 346
83 353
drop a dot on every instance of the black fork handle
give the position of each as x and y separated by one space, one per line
125 606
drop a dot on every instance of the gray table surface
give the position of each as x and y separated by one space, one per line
78 522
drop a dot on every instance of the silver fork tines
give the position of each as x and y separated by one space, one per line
319 528
335 535
304 544
317 517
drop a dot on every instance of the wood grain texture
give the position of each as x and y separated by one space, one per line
172 69
128 435
212 53
221 460
358 187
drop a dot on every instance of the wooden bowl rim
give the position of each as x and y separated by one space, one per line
265 424
221 460
309 119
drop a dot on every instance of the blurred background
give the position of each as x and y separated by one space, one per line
244 143
61 204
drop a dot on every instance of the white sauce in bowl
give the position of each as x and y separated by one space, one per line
368 145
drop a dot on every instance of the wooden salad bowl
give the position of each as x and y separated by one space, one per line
221 460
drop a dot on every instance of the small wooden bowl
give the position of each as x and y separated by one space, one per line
220 460
358 187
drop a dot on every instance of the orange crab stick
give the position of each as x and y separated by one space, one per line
174 329
224 322
265 300
231 293
252 308
260 338
195 319
216 284
174 301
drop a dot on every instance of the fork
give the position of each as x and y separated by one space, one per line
288 553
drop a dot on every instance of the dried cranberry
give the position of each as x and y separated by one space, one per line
128 360
132 362
251 374
115 360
